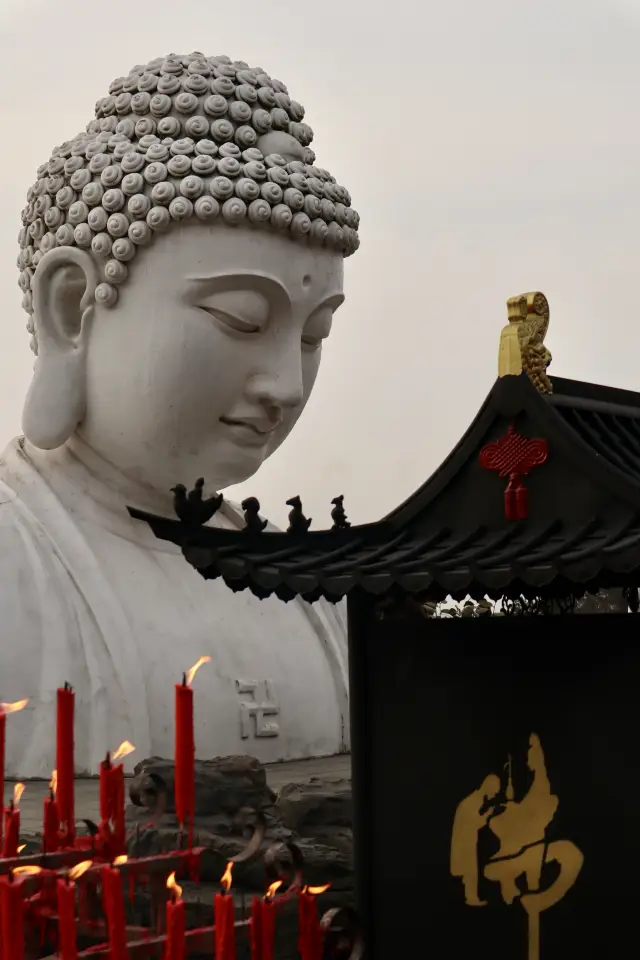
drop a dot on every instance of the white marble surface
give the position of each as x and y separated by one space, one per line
200 366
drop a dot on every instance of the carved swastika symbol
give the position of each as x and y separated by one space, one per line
258 714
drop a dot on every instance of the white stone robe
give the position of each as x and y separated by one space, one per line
89 596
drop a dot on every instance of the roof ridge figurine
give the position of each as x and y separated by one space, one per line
253 522
338 514
298 523
191 507
522 345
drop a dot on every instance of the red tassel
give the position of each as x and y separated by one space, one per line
522 502
510 503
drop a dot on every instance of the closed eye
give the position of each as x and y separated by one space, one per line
317 328
312 343
232 321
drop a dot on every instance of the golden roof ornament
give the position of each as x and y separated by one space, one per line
522 340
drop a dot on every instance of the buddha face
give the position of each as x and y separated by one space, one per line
207 360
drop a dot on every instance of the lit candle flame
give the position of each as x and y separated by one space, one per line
18 790
121 859
21 847
79 869
28 870
194 669
173 885
316 891
226 878
123 750
273 889
53 783
13 707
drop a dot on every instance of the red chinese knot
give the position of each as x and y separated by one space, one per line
514 456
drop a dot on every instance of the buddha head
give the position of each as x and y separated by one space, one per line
181 261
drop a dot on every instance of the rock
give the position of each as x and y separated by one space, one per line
315 815
218 850
224 785
318 804
325 863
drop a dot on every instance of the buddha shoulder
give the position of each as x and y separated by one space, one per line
34 582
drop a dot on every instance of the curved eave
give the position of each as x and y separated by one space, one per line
512 396
555 577
557 560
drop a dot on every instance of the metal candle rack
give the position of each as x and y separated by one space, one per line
282 861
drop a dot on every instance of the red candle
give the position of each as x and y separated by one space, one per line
65 760
3 726
66 896
255 929
176 921
185 750
112 782
224 919
114 910
310 937
117 811
11 918
184 755
225 933
112 797
51 825
105 788
117 798
66 891
12 824
51 818
5 708
268 929
263 925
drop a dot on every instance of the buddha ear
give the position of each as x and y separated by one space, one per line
63 298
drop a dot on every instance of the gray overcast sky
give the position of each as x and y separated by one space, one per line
490 146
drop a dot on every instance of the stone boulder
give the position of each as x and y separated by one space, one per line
319 811
224 785
314 814
319 803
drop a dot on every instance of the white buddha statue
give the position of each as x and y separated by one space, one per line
194 356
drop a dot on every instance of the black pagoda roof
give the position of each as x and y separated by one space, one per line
541 496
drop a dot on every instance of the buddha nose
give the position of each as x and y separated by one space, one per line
278 389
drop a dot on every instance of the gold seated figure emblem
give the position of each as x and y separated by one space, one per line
520 826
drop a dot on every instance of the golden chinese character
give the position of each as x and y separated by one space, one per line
520 827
